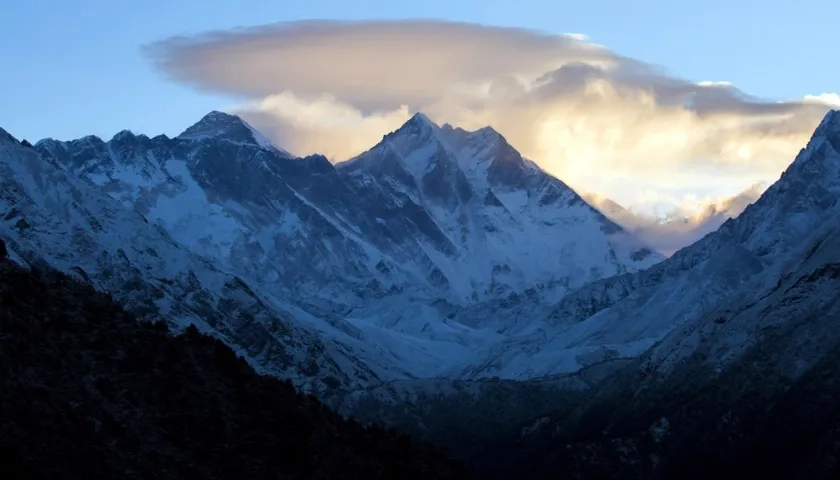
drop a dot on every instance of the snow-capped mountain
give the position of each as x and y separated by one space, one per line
221 126
50 216
624 316
496 223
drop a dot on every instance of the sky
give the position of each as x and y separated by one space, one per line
619 130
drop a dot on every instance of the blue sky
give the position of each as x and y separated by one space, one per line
74 68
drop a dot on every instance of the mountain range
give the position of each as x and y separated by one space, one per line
441 272
387 255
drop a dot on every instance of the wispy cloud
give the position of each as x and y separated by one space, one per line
601 121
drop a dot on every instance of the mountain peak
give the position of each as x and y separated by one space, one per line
215 124
488 130
420 118
419 123
418 128
484 134
823 150
126 136
221 125
7 137
830 123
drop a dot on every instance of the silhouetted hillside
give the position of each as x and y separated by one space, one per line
86 391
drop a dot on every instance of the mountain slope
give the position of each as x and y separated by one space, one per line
748 389
87 391
623 316
48 215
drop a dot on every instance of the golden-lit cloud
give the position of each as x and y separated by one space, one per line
322 124
602 122
684 224
831 99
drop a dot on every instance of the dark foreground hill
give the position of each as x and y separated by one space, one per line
87 391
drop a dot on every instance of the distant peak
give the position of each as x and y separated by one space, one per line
215 117
488 131
218 114
92 140
830 123
827 130
418 124
213 124
221 125
6 136
420 117
123 135
419 121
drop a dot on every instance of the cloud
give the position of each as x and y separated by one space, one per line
682 225
373 65
600 121
831 99
322 124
